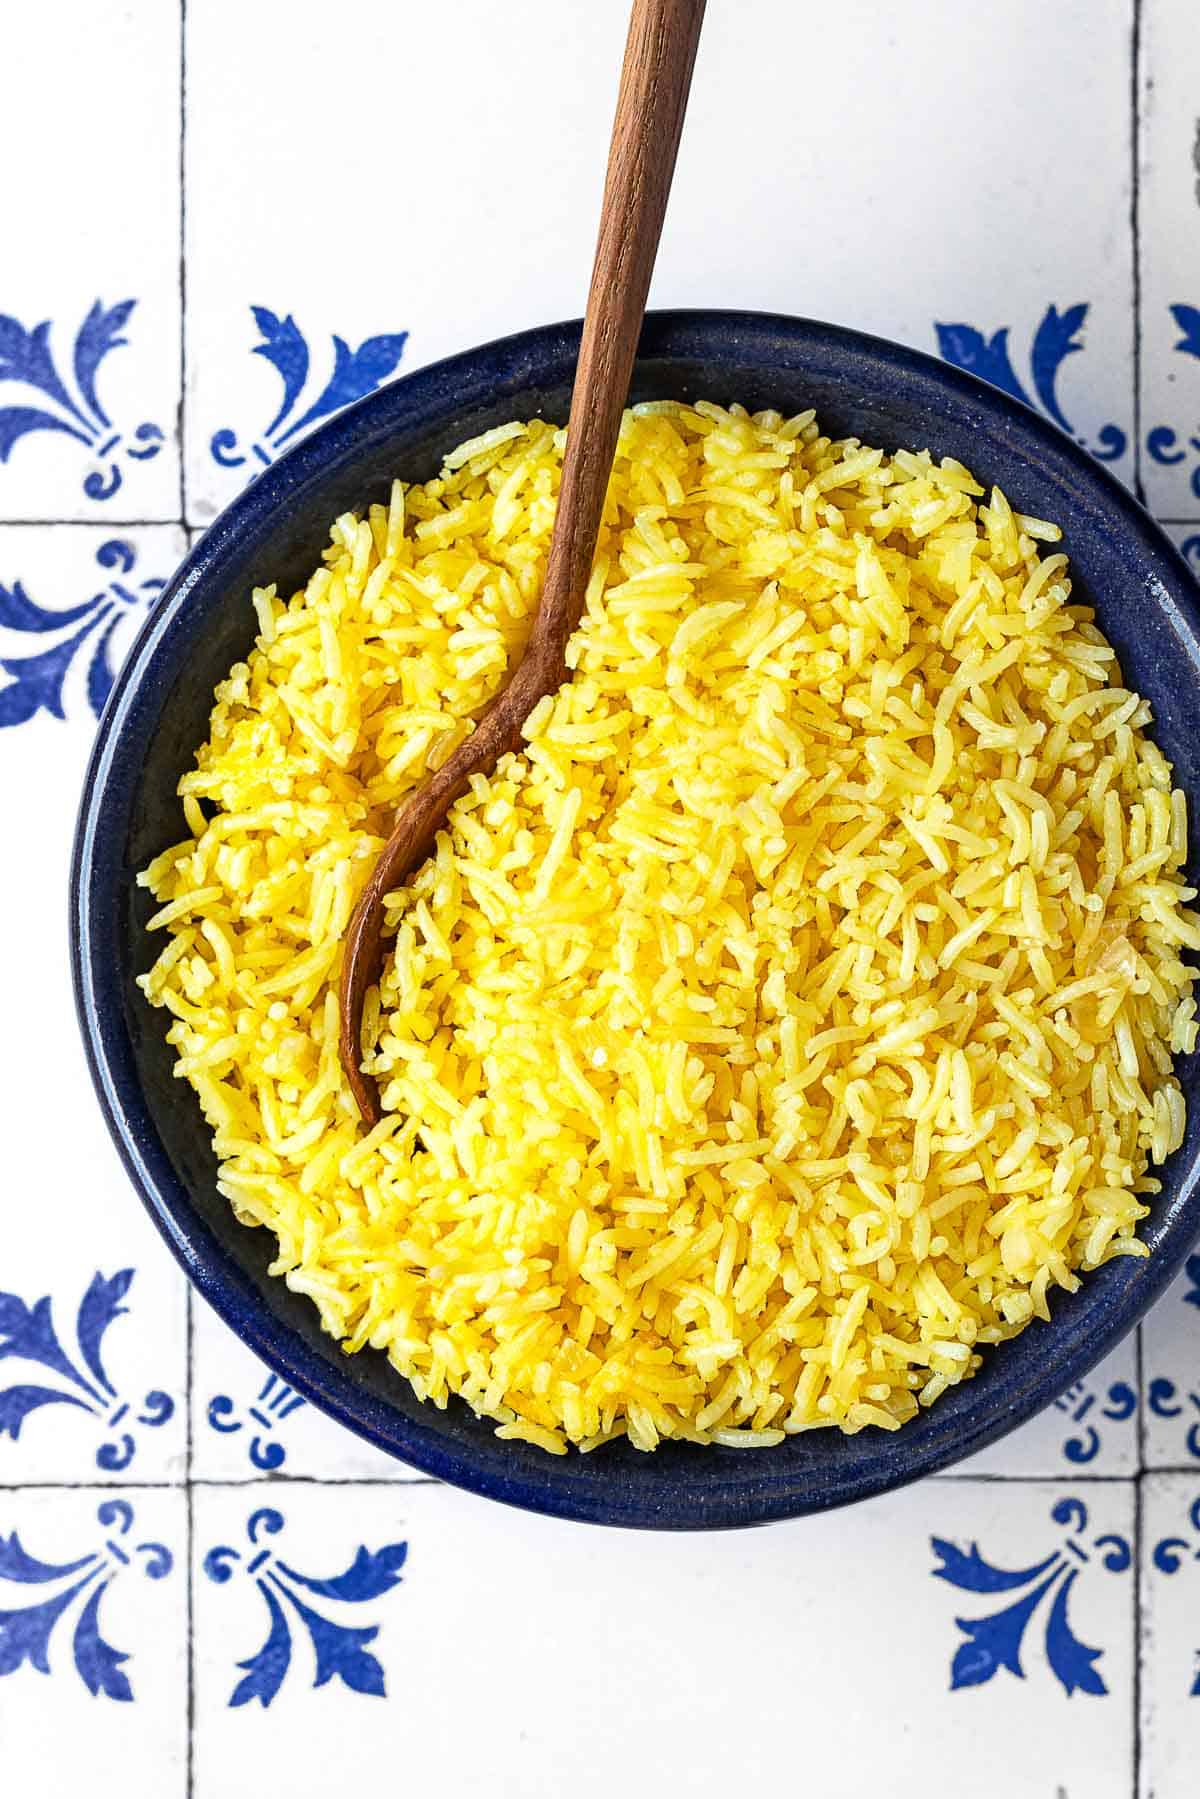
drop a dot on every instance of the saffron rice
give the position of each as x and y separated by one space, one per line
779 1028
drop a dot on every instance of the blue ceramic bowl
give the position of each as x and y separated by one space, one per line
1146 601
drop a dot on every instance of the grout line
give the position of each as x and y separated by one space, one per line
127 524
189 1363
190 1493
190 1298
279 1483
183 360
189 1602
189 1328
1136 1682
1135 232
1139 1353
1061 1477
91 1486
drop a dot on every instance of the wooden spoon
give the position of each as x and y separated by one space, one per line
657 72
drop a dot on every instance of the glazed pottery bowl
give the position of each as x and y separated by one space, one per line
1146 603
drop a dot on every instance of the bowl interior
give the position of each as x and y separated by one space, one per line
158 714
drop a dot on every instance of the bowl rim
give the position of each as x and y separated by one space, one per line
736 1495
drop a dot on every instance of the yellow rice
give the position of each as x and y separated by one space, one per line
775 1031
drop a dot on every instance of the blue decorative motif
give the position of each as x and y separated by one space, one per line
274 1403
1161 441
339 1649
1163 1396
1059 335
1169 1555
26 1631
1188 320
27 1333
27 360
1191 1267
995 1640
355 373
1117 1405
38 681
1164 1401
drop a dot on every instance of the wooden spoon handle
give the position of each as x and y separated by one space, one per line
659 56
660 52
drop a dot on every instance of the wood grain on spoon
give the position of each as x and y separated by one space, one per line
655 78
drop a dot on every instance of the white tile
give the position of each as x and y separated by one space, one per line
92 1339
1171 1374
89 216
923 180
1170 1637
512 1641
93 1697
247 1422
1092 1428
1169 215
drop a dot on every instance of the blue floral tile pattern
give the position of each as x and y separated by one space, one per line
1058 335
340 1649
283 344
1172 1374
1093 1428
1090 1411
1171 1554
273 1404
249 1424
1162 442
995 1640
1166 1401
28 361
38 677
28 1631
78 1379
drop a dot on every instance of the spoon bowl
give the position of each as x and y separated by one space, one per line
890 396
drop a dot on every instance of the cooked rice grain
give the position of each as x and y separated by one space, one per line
770 1035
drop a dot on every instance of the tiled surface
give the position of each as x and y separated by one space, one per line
359 193
93 1589
91 204
624 1654
247 1423
1170 1632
